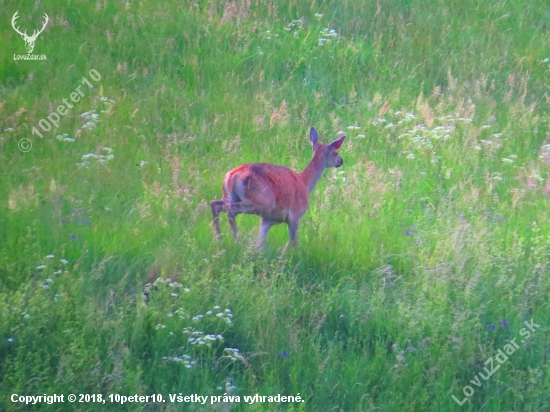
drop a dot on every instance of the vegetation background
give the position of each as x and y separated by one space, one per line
416 262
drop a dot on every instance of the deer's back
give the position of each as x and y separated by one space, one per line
276 189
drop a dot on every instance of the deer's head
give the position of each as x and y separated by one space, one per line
29 40
328 153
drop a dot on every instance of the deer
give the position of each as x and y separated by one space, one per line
275 193
29 40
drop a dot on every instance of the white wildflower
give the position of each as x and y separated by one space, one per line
64 138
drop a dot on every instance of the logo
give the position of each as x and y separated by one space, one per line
29 40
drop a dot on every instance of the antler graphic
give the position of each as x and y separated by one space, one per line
15 16
29 40
37 32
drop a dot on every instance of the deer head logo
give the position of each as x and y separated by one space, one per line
29 40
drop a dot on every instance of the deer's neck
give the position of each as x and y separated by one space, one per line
312 173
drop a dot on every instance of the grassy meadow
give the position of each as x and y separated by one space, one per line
416 263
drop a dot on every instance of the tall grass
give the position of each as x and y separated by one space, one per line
416 262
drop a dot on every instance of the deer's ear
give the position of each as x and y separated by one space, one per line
336 144
313 137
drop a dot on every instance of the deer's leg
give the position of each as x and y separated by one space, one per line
293 232
217 207
235 208
231 217
264 228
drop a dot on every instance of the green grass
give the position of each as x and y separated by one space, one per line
451 102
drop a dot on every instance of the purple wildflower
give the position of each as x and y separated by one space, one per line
73 236
87 220
277 356
406 233
63 221
213 368
504 323
491 326
284 354
80 212
326 248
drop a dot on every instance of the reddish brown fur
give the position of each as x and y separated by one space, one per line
268 185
